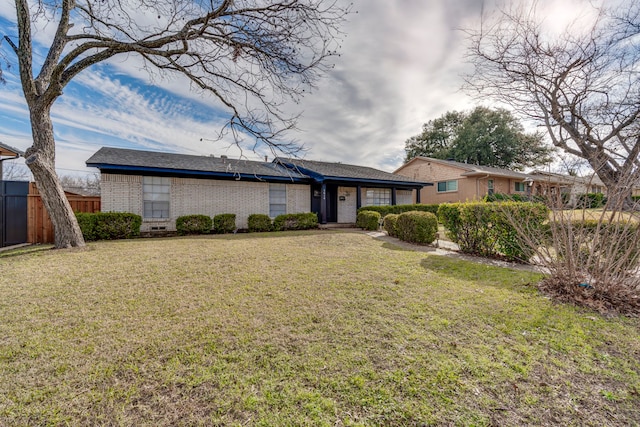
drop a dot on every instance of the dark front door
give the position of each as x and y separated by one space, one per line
324 199
332 203
13 212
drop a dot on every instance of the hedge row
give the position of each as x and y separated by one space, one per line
611 241
109 225
398 209
488 229
226 223
297 221
203 224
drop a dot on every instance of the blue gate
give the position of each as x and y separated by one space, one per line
13 212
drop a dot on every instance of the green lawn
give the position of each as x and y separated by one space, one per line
308 328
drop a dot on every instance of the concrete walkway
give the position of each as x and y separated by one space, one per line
8 248
450 249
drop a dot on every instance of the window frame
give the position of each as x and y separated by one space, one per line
521 185
446 186
156 197
377 198
277 202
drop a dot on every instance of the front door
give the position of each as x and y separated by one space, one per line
330 200
332 203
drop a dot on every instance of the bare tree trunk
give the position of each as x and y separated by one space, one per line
40 158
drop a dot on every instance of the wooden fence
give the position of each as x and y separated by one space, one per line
40 228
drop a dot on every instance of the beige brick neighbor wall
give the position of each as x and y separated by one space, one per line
123 193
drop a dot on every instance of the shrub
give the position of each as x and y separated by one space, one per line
389 223
259 222
87 223
109 225
490 229
513 223
398 209
224 223
591 201
297 221
368 220
500 197
417 227
193 224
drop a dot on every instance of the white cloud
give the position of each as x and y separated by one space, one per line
401 66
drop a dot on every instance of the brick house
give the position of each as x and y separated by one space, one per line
160 187
460 182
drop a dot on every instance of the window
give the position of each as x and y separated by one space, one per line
155 194
520 186
378 197
490 188
444 186
277 199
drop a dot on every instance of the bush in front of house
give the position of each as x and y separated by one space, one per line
296 221
193 224
501 197
390 223
109 225
398 209
417 227
259 223
591 201
224 223
368 220
494 229
87 223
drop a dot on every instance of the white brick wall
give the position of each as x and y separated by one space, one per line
347 208
123 193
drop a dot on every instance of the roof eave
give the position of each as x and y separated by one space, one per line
144 170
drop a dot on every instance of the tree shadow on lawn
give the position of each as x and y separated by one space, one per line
482 273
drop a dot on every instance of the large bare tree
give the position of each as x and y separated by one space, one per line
582 84
251 55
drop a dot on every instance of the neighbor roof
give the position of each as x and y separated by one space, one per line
341 172
136 161
7 150
472 170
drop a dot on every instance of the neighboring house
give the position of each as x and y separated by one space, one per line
572 186
162 186
460 182
8 153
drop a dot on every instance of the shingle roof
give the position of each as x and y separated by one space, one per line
472 170
330 170
120 158
130 161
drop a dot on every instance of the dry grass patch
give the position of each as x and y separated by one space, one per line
304 328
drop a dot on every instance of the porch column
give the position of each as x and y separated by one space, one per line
358 197
323 204
393 196
418 190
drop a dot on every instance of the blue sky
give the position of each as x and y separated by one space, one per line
400 66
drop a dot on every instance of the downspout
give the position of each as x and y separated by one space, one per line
2 160
478 186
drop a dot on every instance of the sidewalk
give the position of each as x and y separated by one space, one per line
8 248
450 249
